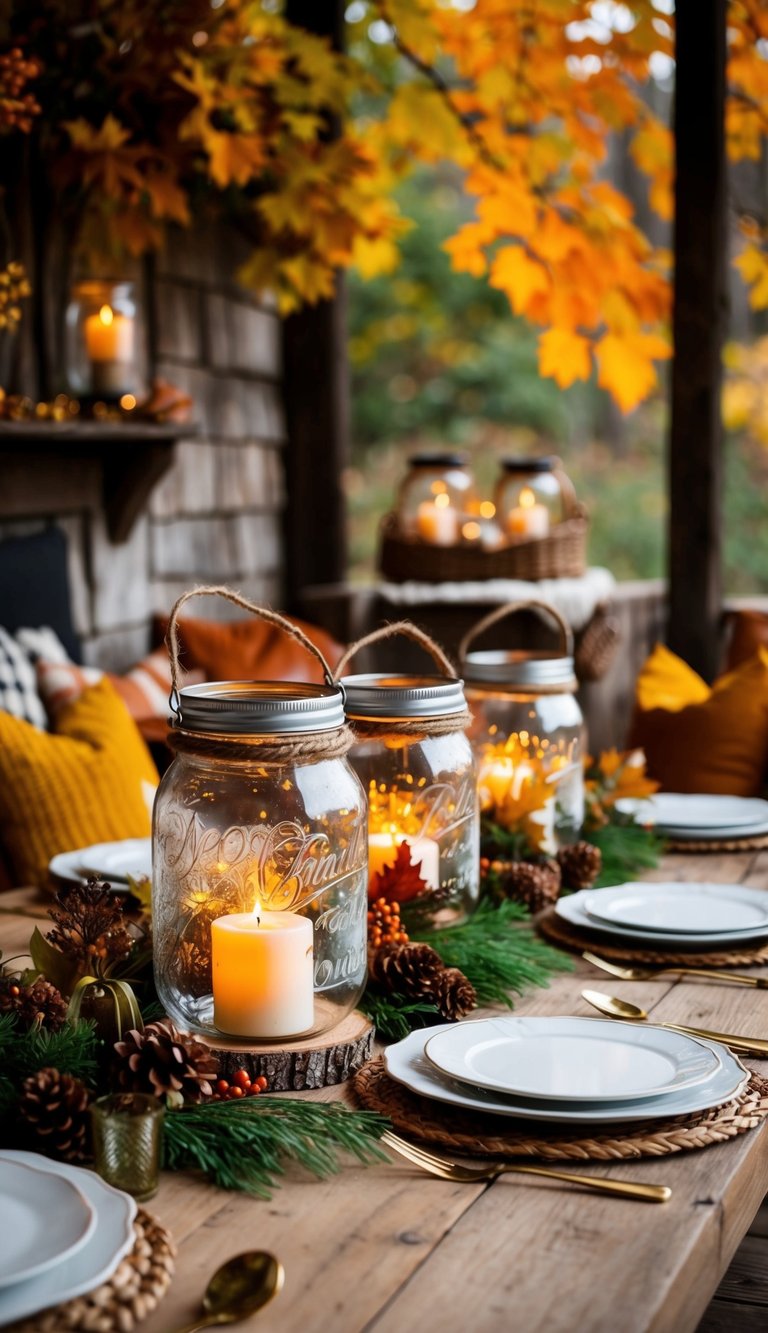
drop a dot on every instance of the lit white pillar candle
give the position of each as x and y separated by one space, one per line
263 982
437 522
109 343
528 519
424 853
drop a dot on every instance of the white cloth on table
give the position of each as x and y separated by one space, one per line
575 599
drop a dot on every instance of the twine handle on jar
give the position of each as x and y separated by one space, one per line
511 608
411 631
262 612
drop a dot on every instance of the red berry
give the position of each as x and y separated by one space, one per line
222 1085
241 1080
254 1090
261 1083
235 1092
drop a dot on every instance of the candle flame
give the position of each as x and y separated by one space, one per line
442 500
527 498
106 315
257 912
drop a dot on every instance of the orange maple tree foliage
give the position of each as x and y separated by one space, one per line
146 107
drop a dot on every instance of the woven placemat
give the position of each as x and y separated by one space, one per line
719 845
558 931
134 1290
477 1132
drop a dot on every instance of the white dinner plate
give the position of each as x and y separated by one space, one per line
406 1063
715 833
46 1219
693 909
113 861
570 1059
572 910
669 809
98 1258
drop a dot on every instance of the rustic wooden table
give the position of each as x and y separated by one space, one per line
390 1249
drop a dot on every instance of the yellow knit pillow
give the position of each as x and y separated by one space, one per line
90 781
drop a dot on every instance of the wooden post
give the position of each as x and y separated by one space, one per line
695 454
316 395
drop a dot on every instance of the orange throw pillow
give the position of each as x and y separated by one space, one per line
251 650
698 739
91 780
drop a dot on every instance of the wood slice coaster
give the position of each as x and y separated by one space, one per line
134 1290
475 1132
561 932
317 1062
719 845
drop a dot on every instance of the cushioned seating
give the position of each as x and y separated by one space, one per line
249 649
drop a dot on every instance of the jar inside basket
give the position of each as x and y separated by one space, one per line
259 857
438 492
416 764
528 735
532 495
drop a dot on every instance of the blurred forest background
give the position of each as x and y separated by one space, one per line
437 358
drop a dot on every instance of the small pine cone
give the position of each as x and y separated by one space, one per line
534 884
453 993
53 1107
580 864
39 1004
166 1063
407 969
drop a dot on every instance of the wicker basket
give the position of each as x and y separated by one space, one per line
560 555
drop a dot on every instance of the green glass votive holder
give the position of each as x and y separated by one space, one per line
127 1141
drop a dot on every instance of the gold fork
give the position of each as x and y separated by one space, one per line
448 1170
647 974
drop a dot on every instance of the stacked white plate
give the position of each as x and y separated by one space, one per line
566 1071
64 1233
700 818
671 916
112 861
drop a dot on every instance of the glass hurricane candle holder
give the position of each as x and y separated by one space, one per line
531 496
436 495
528 734
127 1142
259 860
415 762
102 341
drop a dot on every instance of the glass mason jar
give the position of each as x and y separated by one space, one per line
259 864
436 494
531 496
416 764
528 734
102 351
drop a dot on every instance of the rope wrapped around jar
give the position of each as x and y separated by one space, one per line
366 728
308 747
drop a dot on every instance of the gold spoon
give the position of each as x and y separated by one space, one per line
238 1289
632 1013
647 973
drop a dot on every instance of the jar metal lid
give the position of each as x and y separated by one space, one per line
548 672
400 698
259 707
530 464
438 459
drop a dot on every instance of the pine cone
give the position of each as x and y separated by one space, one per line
90 925
54 1109
453 993
39 1003
535 884
166 1063
580 864
407 969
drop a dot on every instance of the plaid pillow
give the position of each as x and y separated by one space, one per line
18 682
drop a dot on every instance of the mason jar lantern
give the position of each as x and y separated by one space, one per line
532 495
259 858
102 352
527 731
437 493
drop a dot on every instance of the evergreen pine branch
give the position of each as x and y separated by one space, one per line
628 850
245 1145
498 952
394 1016
71 1050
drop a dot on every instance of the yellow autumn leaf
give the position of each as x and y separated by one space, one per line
418 114
234 159
519 277
374 256
109 136
753 267
564 356
626 366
